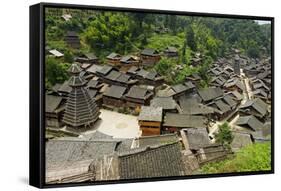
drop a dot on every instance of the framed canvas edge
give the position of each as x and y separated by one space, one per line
38 104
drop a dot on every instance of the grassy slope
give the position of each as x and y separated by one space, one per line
254 157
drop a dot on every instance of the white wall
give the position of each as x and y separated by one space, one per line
14 92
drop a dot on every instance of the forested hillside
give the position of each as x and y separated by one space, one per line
128 33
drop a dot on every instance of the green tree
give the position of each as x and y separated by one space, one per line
190 38
109 32
68 57
55 72
224 135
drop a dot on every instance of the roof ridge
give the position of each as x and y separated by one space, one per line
147 148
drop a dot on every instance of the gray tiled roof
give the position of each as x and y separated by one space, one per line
65 88
113 75
149 52
65 152
240 140
191 106
171 49
94 68
137 92
156 140
167 103
113 55
210 93
149 113
257 104
250 121
197 138
105 69
52 103
127 58
189 85
159 161
223 107
179 88
115 91
184 121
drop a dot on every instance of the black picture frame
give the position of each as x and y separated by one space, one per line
37 98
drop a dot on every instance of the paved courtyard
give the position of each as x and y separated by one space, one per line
117 125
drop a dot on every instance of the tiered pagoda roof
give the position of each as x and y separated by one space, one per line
81 110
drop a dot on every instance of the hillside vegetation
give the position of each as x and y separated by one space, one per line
128 33
255 157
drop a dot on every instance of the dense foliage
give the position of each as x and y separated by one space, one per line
128 33
56 72
255 157
224 135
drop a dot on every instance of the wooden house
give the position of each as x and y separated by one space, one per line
255 107
209 94
221 109
251 70
194 78
154 161
138 96
113 96
150 119
196 59
154 140
191 106
128 61
218 81
250 123
234 84
55 53
93 68
197 142
89 58
180 90
168 104
258 84
66 17
64 89
146 77
149 56
240 140
235 95
54 111
260 93
174 122
171 52
63 167
72 39
104 71
118 78
114 59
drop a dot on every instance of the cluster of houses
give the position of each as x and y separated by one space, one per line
177 122
101 157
